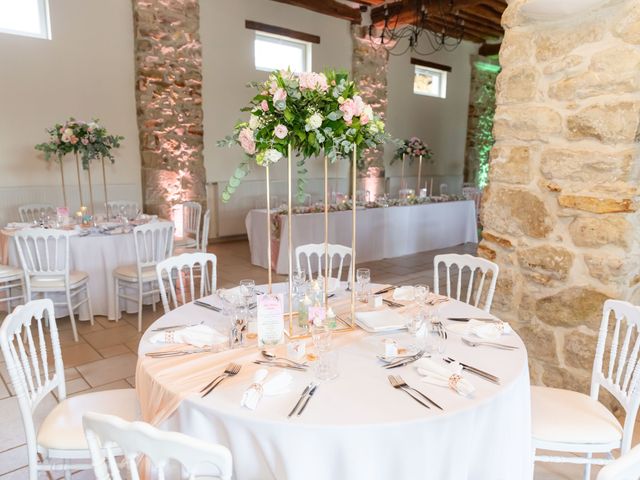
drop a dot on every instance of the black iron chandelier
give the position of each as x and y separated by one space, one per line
437 21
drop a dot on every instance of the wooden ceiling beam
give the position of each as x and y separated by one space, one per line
370 3
489 49
489 27
404 12
436 25
482 12
328 7
496 5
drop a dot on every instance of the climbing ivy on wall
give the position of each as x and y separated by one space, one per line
482 108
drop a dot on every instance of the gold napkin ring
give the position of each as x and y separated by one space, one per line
453 381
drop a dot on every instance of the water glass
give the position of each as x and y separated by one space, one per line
299 277
326 366
321 336
248 291
421 293
363 278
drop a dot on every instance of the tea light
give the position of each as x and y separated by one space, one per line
377 301
390 347
296 350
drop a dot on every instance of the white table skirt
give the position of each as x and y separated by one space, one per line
357 427
98 256
381 232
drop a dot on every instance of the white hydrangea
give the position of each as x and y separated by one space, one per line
272 156
254 122
315 121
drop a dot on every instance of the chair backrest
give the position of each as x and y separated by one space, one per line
204 238
467 289
191 215
444 189
32 212
153 243
316 250
627 467
43 252
28 364
617 369
108 436
125 207
171 276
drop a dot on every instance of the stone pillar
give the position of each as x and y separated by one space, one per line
168 61
482 107
370 65
560 216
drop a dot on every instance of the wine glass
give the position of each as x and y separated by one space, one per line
248 291
421 292
363 277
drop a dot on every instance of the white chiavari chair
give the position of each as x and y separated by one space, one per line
122 207
467 290
33 212
567 421
44 256
12 278
137 440
153 243
176 278
191 216
627 467
34 363
311 258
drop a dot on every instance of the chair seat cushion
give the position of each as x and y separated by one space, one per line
9 272
185 242
44 282
130 272
571 417
62 428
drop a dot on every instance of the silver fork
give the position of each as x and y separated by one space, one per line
403 384
231 370
473 343
439 327
395 384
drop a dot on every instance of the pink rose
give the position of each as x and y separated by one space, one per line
348 109
364 119
246 141
280 131
85 141
73 140
264 106
280 95
273 86
322 83
306 81
359 105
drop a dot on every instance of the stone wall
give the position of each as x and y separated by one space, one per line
370 65
560 215
168 62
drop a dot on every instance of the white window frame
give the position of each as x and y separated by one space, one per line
45 24
283 39
442 74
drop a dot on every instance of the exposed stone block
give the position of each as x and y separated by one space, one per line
516 212
572 307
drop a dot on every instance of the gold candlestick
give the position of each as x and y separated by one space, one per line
419 174
93 211
268 228
64 189
353 238
326 232
104 184
290 238
79 180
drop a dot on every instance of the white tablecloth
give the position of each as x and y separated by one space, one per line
357 427
381 232
98 256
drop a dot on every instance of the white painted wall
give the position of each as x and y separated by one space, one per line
86 70
228 66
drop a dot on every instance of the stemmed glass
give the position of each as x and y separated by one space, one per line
248 291
421 293
363 278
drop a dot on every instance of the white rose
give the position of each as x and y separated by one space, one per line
68 132
368 111
272 156
92 125
254 121
315 121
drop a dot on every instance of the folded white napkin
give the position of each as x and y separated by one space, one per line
380 320
276 386
445 375
404 294
198 336
489 330
19 224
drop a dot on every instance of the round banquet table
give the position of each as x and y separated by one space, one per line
97 255
356 426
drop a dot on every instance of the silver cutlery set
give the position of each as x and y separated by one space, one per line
302 402
397 382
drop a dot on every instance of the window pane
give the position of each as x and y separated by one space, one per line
24 17
431 82
273 53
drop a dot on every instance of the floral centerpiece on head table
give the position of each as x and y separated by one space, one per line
311 112
412 147
89 140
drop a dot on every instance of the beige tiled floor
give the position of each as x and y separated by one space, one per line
105 356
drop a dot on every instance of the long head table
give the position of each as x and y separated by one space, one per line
356 426
381 232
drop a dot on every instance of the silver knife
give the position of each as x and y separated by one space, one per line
306 400
280 365
304 394
405 361
468 319
206 305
